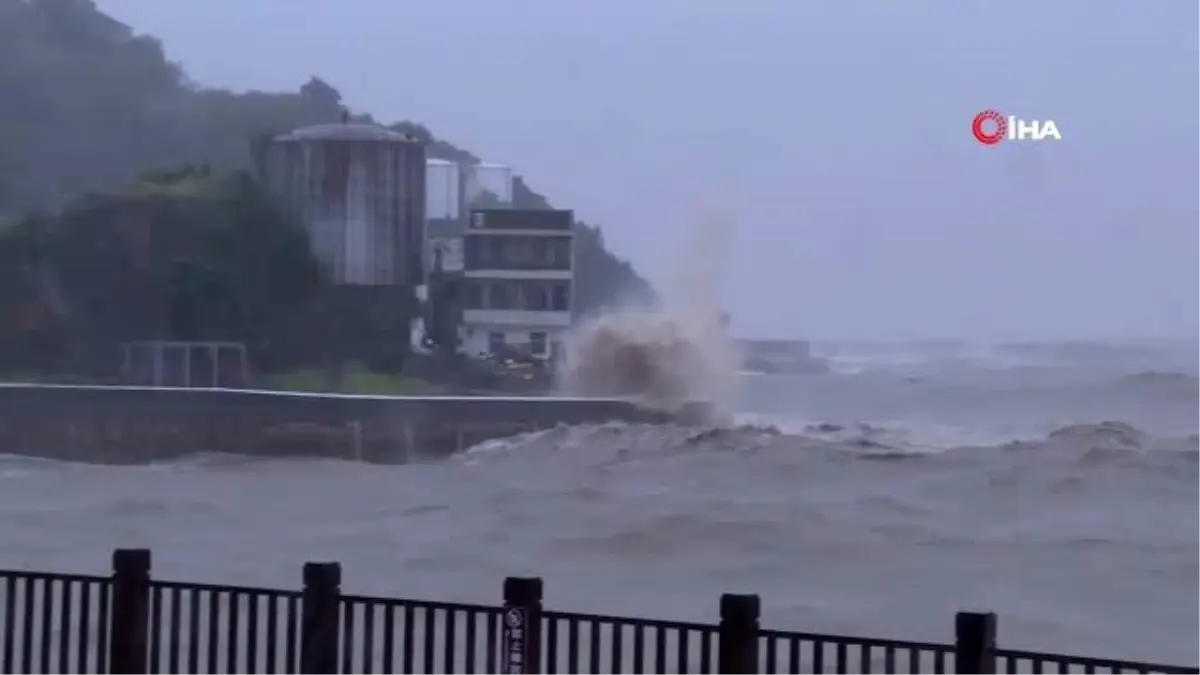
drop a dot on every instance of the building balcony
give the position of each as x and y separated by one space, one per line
523 318
520 253
518 274
508 265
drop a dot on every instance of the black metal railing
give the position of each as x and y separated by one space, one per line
785 652
411 636
206 628
53 623
129 623
592 643
1018 661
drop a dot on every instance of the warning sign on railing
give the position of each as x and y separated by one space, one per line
513 659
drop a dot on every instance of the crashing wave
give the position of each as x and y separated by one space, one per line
655 358
1107 435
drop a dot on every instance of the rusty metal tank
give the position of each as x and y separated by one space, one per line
359 190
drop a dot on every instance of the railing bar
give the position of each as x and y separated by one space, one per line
471 640
27 624
493 642
193 631
252 600
770 645
291 657
272 646
408 646
389 639
573 646
347 636
103 625
449 645
367 664
660 649
234 623
65 607
47 628
155 629
174 645
551 652
594 648
214 632
85 628
430 630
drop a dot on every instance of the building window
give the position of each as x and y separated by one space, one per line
495 342
451 289
537 343
493 295
560 253
472 253
472 294
560 297
501 296
493 256
536 296
520 252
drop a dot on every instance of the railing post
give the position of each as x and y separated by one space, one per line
521 646
975 642
127 642
321 621
737 644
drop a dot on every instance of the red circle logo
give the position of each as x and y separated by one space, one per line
989 118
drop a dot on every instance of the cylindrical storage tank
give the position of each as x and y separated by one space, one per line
359 189
441 189
484 177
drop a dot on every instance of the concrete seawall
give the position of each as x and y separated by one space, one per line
124 425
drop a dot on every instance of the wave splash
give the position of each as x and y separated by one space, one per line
675 353
658 358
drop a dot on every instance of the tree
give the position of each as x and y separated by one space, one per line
185 254
320 93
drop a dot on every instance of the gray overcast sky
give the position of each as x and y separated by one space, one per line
837 133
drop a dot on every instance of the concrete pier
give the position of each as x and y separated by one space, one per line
125 425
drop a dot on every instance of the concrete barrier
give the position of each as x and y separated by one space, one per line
122 425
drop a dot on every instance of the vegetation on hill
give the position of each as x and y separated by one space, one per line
98 224
171 256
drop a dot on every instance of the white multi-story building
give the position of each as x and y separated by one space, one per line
519 270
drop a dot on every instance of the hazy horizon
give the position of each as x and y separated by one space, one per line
836 134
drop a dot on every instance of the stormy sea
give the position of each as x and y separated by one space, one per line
1052 483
